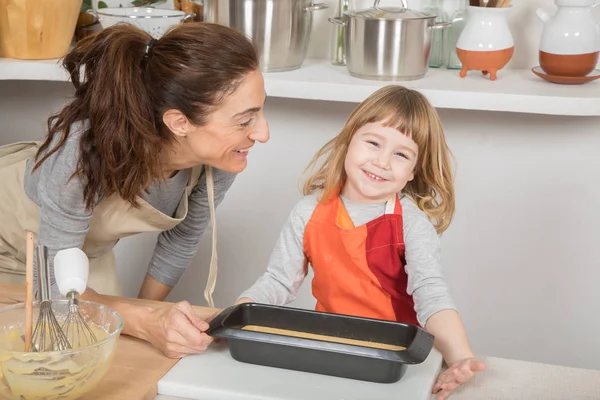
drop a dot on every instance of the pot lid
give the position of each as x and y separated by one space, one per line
574 3
390 13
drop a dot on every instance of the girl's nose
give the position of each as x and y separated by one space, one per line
383 161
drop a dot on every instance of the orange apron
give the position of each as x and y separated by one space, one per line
359 270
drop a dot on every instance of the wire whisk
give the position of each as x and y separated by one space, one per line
71 270
47 334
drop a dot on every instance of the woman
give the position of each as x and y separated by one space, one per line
155 127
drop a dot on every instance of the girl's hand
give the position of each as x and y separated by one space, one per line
457 374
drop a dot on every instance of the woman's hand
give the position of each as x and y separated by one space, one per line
176 330
457 374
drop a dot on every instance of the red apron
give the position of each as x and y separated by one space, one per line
359 270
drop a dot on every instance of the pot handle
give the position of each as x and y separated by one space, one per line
316 7
440 25
188 16
337 21
402 2
93 13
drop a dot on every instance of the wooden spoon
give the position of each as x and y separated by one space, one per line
474 3
28 290
492 3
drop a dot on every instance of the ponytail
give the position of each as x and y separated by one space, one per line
120 151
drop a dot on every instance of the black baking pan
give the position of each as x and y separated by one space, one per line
318 356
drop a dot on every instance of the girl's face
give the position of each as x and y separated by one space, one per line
379 163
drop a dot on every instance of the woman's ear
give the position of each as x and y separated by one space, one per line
177 122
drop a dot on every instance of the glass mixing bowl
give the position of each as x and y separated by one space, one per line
55 375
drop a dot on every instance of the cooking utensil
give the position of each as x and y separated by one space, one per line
71 270
388 43
318 356
48 334
28 290
486 43
155 21
279 29
492 3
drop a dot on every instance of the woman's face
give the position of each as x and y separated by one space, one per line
231 130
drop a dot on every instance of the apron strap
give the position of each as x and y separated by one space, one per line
212 272
390 205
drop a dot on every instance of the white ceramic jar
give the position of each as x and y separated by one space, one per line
486 43
571 30
570 41
486 30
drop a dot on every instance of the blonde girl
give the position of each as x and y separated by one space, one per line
368 225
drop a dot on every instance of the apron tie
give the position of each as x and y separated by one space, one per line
212 272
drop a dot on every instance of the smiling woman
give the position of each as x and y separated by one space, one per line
151 142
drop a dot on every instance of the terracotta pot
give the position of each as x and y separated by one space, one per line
570 41
486 43
37 29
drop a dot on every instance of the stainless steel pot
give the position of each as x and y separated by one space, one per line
280 29
388 44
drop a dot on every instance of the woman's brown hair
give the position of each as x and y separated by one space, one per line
124 82
409 112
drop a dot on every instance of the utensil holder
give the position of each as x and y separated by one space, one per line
486 44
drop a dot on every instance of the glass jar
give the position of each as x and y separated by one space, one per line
338 54
436 54
458 20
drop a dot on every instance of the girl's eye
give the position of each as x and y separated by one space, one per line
246 123
401 155
373 143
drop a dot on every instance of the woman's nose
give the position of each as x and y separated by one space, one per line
261 134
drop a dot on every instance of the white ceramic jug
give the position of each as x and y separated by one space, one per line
570 41
486 43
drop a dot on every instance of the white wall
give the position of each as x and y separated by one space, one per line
521 255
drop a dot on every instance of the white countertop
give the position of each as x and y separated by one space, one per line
216 375
514 90
521 380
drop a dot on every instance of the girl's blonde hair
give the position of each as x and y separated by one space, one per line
409 112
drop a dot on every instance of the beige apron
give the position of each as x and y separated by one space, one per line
112 219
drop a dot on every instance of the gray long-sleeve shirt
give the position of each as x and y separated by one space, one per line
287 267
64 220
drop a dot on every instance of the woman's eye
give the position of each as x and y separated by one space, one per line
246 123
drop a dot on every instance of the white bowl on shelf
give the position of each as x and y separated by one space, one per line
155 21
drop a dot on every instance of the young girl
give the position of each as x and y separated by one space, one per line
369 223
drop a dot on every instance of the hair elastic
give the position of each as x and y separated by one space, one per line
147 52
